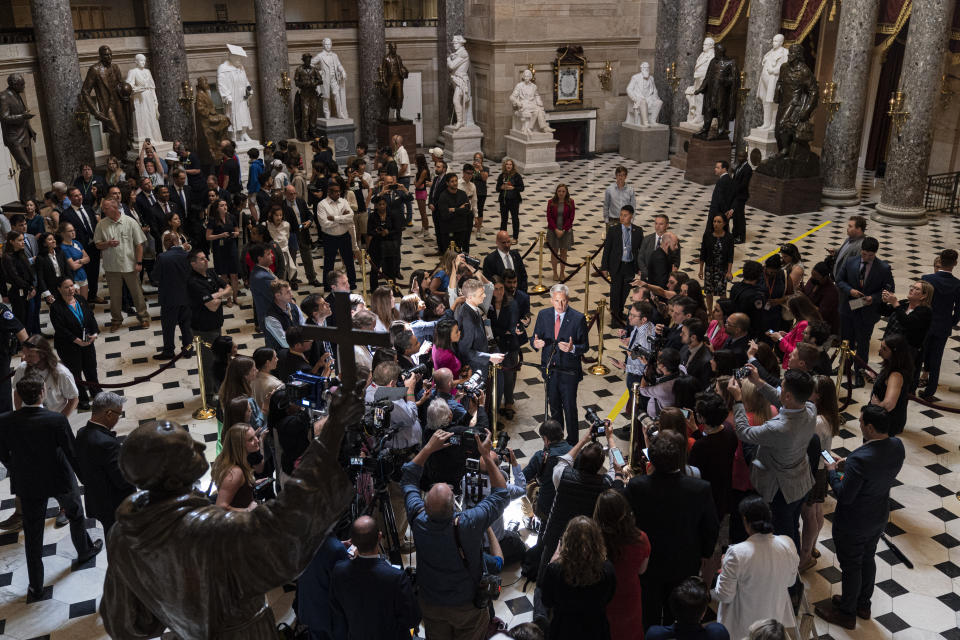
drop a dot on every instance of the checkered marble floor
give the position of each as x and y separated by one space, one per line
923 602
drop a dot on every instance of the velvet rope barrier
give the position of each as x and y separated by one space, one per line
138 379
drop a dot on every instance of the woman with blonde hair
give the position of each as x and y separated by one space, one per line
384 307
911 318
509 186
115 174
440 278
231 471
579 583
560 212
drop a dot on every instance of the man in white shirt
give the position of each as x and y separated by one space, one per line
120 240
336 219
402 158
616 196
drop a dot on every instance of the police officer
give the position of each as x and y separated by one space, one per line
10 328
749 297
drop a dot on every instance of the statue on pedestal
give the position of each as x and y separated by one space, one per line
333 89
18 135
306 104
694 100
235 91
528 106
719 91
797 95
645 103
212 127
107 98
458 63
769 73
146 113
392 75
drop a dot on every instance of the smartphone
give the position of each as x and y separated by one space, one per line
618 457
826 456
686 413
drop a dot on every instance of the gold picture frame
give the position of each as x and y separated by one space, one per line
568 70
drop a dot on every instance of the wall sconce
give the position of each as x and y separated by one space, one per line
606 76
896 111
81 116
830 99
743 89
672 76
532 70
186 97
284 88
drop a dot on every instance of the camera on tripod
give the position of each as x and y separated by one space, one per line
474 385
310 391
598 426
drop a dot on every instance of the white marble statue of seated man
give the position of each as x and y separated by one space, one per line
644 106
528 106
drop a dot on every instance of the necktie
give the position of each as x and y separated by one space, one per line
556 327
657 244
183 199
166 207
863 271
507 262
153 200
86 221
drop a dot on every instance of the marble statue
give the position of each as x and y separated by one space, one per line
695 100
146 113
392 75
458 63
306 104
769 73
212 127
178 561
797 95
644 107
528 106
235 91
333 90
719 90
107 98
18 135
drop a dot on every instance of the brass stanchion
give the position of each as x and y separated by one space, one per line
363 274
844 355
539 288
494 401
600 369
633 420
204 412
453 245
586 293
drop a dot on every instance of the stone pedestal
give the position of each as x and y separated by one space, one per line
405 128
781 196
645 144
532 152
682 135
702 157
242 148
763 142
342 134
459 145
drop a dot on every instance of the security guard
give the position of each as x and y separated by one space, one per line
10 328
749 297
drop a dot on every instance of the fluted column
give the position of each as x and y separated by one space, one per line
272 61
908 157
763 25
450 22
169 65
665 55
60 83
372 36
691 26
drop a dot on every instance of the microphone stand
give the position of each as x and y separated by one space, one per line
547 371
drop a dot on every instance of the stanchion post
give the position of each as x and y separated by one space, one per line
600 369
494 401
204 412
539 288
586 292
633 419
363 274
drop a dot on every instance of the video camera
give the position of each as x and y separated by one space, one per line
310 391
503 439
419 370
640 352
467 441
474 385
598 426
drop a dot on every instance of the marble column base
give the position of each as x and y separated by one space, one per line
242 148
760 144
532 152
702 157
781 196
840 197
898 216
342 134
649 143
459 145
680 144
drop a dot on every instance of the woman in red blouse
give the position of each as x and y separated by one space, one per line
560 212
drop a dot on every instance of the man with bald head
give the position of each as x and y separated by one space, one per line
446 579
504 258
120 241
444 389
302 220
660 263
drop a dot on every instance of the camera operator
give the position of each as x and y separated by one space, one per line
541 465
642 334
473 491
657 383
404 414
293 359
448 465
445 389
449 572
293 427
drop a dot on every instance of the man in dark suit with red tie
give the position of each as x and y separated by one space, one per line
84 222
561 336
619 262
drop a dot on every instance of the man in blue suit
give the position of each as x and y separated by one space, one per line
863 504
171 272
368 578
946 313
260 279
861 282
560 334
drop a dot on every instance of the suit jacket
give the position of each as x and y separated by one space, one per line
473 348
612 259
698 366
647 247
493 266
946 302
172 273
658 268
260 279
356 583
741 186
863 493
848 249
879 279
150 214
98 453
723 192
678 516
178 205
86 239
306 213
574 326
66 327
37 446
738 345
46 274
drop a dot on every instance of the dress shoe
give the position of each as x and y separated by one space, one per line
62 519
809 564
145 324
315 283
294 285
858 380
928 396
164 355
95 548
34 595
863 614
13 523
115 326
833 615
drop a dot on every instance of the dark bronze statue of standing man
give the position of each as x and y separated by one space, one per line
18 135
719 89
392 75
797 95
306 105
110 102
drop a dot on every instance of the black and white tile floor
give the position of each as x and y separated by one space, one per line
923 602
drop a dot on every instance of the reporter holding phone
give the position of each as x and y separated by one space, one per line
75 330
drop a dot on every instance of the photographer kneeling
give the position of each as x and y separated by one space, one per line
453 591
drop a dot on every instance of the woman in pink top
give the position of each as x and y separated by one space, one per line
716 333
804 312
629 550
446 334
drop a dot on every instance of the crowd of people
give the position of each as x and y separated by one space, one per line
731 388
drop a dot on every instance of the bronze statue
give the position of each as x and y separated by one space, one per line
18 135
719 89
110 101
392 75
178 561
212 127
306 104
797 95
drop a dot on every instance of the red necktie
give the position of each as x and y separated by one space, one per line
556 327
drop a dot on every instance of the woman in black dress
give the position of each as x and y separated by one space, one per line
911 318
75 331
774 284
50 266
716 259
384 234
509 186
892 386
17 281
222 233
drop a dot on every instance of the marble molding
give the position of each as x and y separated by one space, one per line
275 111
908 156
167 48
644 143
841 145
764 23
764 142
60 82
664 55
371 31
450 22
691 25
532 152
459 145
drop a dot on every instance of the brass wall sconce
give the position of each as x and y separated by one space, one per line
186 97
743 89
829 99
897 113
672 76
606 76
533 71
284 87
